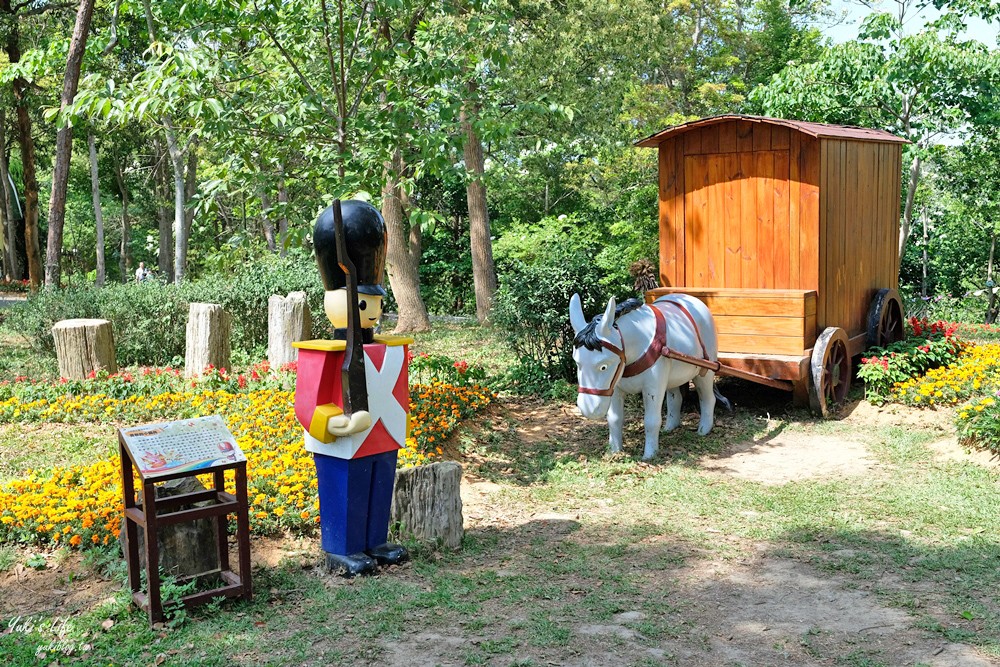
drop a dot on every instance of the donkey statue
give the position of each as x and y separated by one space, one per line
624 351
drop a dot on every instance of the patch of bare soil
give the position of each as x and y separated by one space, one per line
791 456
67 585
948 449
865 413
769 610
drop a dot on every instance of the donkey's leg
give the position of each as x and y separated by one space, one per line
674 398
705 384
616 418
652 402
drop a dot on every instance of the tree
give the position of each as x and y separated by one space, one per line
920 86
64 144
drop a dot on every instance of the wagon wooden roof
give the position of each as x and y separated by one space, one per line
819 130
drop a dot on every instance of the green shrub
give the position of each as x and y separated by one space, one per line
150 318
532 310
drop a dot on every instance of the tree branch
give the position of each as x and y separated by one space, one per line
114 29
291 63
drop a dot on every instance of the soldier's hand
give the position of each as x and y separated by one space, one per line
344 425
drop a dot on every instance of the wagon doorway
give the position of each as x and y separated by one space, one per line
737 211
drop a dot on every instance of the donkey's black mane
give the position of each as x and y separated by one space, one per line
588 337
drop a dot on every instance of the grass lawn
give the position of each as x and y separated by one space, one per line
775 540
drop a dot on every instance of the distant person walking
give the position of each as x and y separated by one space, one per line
141 273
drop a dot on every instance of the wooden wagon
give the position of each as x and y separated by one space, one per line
788 231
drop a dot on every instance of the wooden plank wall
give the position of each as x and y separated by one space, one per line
746 205
739 208
859 227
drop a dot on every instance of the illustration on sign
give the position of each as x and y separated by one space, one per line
181 446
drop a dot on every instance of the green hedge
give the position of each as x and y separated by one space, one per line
150 318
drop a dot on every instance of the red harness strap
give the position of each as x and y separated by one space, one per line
658 346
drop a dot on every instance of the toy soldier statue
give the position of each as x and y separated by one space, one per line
352 393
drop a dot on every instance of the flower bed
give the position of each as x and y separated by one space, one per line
927 345
81 506
978 423
976 371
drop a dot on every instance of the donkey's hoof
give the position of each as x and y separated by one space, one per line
704 430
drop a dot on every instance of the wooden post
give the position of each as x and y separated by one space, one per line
288 321
207 339
427 504
83 346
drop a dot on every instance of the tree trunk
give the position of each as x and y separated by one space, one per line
190 188
992 309
12 217
265 205
911 192
30 185
484 275
64 145
165 256
124 263
83 346
283 219
180 224
402 257
95 193
207 340
27 143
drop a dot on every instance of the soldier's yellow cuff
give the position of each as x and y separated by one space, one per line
321 416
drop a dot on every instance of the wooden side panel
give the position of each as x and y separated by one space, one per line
761 137
755 321
748 219
710 139
744 136
749 302
780 138
715 223
809 213
731 211
822 316
781 232
680 229
696 199
897 153
764 177
794 194
692 142
669 218
727 137
852 254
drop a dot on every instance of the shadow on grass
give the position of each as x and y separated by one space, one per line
953 589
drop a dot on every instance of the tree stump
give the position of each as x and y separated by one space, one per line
427 504
288 321
83 346
207 339
187 548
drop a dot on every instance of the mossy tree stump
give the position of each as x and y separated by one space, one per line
84 345
207 341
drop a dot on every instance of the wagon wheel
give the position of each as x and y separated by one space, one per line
830 371
885 319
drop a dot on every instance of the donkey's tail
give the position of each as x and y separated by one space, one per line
722 399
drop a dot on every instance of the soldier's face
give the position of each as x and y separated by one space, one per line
335 305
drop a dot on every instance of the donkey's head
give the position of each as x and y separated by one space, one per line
599 357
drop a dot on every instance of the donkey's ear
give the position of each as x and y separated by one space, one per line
576 317
609 315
